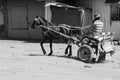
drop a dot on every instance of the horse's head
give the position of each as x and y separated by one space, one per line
36 22
40 21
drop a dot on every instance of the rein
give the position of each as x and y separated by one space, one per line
51 27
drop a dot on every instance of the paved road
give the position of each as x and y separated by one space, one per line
22 60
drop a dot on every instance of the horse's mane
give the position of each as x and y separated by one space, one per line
45 22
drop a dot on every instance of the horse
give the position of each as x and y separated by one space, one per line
54 34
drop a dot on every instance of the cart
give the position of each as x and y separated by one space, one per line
90 49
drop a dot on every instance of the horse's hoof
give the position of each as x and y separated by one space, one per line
49 54
68 55
44 53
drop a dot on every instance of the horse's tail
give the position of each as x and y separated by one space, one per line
64 29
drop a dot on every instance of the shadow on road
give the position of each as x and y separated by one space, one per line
60 56
35 55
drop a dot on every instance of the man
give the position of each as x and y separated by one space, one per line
97 27
97 30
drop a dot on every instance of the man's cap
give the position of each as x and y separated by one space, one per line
97 15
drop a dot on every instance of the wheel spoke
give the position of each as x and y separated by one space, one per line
85 53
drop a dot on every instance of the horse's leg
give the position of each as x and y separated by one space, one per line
70 51
66 50
41 44
69 47
51 51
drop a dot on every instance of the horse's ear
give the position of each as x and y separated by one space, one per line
36 16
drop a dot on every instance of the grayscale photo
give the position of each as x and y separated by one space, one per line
59 39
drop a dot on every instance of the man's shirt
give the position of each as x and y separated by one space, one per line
97 27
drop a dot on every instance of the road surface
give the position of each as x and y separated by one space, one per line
24 60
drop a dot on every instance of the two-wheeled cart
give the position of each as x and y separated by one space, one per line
90 49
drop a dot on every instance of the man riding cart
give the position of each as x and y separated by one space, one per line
97 45
91 47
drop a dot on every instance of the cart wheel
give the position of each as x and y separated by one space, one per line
85 53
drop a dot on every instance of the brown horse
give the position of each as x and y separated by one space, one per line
50 32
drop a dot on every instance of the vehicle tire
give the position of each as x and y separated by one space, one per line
85 53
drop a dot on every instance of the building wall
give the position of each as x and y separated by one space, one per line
84 3
104 9
1 18
32 9
87 4
1 13
21 14
99 6
67 16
